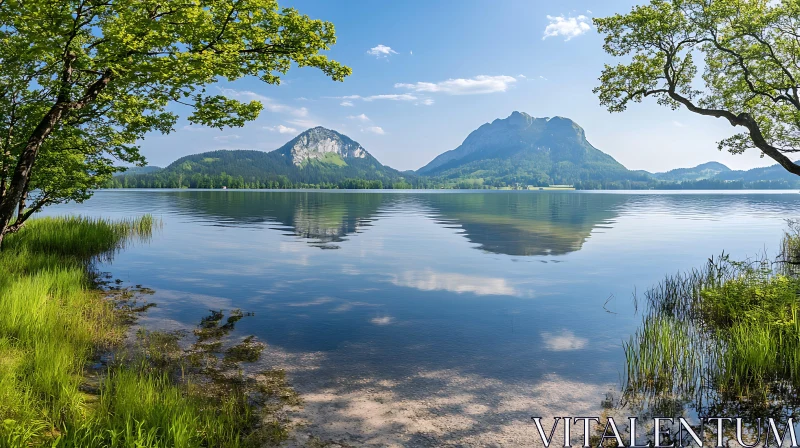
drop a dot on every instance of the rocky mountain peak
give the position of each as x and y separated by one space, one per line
320 143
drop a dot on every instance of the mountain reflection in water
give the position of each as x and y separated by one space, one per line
504 223
472 308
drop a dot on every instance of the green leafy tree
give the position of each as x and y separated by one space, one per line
81 81
749 75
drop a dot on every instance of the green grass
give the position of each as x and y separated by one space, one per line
660 358
727 335
79 237
54 323
328 158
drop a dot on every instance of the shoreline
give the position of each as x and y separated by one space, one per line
481 190
71 375
351 405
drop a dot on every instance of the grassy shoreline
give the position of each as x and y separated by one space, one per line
55 322
722 340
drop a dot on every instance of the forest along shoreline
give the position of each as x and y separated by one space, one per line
70 377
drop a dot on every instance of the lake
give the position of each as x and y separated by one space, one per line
432 318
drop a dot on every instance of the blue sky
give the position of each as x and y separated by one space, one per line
427 73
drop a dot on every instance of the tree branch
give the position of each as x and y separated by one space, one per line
23 216
27 157
785 71
743 119
746 120
222 29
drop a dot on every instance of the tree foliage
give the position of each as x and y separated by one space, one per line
82 81
749 73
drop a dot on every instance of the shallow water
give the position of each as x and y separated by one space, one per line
514 288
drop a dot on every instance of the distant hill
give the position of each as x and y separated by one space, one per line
769 173
715 175
521 149
703 171
140 170
318 157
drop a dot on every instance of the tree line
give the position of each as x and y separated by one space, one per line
207 181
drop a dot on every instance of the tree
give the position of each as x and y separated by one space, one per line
751 66
82 81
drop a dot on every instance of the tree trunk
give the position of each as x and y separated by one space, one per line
15 191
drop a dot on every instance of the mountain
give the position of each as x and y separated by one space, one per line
318 157
323 146
140 170
527 150
770 173
703 171
517 150
715 176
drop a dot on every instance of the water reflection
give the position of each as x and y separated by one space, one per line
527 223
319 218
564 340
511 223
458 283
448 305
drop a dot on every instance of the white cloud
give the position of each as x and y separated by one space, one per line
315 302
403 97
268 103
459 283
385 320
348 269
361 117
568 27
411 53
461 86
225 138
679 124
521 76
542 77
563 341
192 128
381 51
375 130
391 97
281 129
304 123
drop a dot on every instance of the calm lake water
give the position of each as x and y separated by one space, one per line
512 287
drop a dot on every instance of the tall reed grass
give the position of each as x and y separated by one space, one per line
80 237
727 335
53 323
